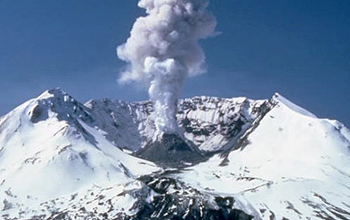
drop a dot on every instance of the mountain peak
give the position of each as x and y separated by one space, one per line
56 94
56 103
277 98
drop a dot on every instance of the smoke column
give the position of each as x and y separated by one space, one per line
163 50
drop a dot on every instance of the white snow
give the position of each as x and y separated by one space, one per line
290 164
52 158
290 161
134 125
280 99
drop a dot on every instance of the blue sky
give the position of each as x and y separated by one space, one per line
300 49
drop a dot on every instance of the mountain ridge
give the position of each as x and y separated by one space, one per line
60 159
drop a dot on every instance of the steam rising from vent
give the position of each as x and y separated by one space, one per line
163 50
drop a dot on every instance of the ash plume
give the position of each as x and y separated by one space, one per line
163 50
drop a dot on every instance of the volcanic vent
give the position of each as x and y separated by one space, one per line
171 150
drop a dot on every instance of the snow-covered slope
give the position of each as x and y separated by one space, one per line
49 148
60 159
289 165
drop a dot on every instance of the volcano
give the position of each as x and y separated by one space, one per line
237 159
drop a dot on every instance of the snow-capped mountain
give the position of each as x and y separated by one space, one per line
288 165
237 159
50 147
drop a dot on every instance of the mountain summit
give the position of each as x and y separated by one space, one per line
236 158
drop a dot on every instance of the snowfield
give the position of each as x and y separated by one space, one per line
60 159
293 165
48 151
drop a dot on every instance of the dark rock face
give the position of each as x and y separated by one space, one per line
176 201
161 198
38 114
171 150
